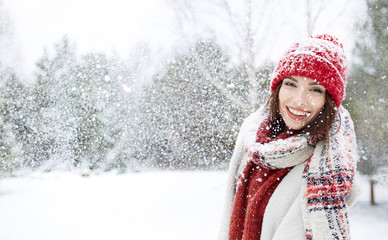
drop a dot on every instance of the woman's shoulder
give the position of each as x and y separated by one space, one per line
254 118
249 127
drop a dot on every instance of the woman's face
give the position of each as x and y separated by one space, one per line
300 100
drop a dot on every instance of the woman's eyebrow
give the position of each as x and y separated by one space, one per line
293 79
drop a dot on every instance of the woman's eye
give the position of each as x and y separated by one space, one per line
317 90
291 84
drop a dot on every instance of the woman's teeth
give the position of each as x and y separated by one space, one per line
298 113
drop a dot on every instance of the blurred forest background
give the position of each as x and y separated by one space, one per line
99 112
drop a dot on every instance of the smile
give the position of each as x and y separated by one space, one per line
297 114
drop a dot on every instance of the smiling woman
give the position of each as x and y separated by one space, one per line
302 104
300 101
292 172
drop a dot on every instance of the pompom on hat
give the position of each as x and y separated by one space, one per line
321 58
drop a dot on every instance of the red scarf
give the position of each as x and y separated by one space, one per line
255 188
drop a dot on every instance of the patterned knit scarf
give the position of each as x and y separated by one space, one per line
255 187
327 177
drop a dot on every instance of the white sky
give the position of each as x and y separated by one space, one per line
120 25
94 25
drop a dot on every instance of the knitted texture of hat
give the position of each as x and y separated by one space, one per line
321 58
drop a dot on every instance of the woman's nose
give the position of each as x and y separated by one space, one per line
301 97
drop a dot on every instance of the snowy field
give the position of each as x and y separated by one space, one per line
148 205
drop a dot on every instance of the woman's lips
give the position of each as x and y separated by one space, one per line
297 114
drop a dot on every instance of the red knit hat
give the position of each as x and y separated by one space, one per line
321 58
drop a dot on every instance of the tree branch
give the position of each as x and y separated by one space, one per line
236 102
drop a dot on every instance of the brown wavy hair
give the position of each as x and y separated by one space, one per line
319 125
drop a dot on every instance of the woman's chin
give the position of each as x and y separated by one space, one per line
294 125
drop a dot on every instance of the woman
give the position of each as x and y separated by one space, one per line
292 171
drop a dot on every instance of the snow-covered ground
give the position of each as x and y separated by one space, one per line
147 205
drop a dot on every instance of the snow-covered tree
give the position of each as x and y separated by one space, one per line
77 111
367 90
238 23
103 112
10 90
248 32
52 120
183 120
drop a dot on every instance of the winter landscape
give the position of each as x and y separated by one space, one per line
145 205
118 118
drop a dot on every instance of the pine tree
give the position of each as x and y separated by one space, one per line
103 111
81 110
52 121
10 118
367 90
184 121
